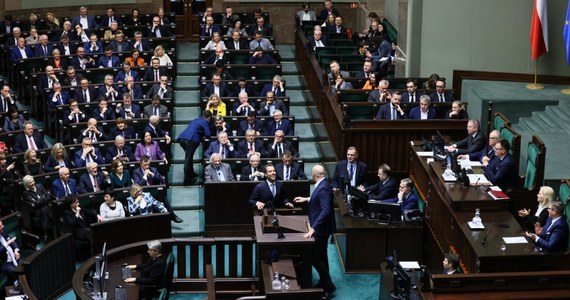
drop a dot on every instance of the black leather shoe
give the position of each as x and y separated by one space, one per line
176 219
328 293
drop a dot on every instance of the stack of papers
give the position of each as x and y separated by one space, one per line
515 240
478 179
476 226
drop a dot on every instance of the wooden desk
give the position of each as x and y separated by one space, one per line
379 240
294 246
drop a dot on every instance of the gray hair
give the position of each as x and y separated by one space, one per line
154 245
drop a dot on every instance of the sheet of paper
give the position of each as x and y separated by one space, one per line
425 153
478 178
515 240
410 264
476 226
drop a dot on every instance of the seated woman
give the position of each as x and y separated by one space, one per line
143 203
31 165
545 196
135 19
119 177
371 83
57 61
123 129
57 159
457 111
14 120
7 175
215 42
236 27
52 23
216 106
340 84
135 59
79 219
149 148
151 272
111 209
162 56
33 38
36 196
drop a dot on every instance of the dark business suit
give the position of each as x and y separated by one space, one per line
103 93
76 63
51 163
409 202
406 97
472 144
554 238
80 162
16 55
149 74
230 44
325 13
262 193
266 59
286 146
134 109
480 154
215 148
385 113
80 95
279 104
41 52
8 267
136 91
164 31
502 172
128 133
416 114
447 97
150 280
383 190
243 148
61 100
125 46
97 49
268 87
138 177
21 142
210 31
246 172
285 125
90 22
109 62
106 21
112 152
86 184
155 90
312 43
244 126
295 173
189 140
58 187
341 171
212 59
209 90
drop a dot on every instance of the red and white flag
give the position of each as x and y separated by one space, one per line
539 29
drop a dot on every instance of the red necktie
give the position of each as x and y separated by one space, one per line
32 145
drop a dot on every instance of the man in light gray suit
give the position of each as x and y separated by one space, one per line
155 108
217 171
260 41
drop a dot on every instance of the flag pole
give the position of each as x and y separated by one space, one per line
535 86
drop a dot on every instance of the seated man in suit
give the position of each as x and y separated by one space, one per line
278 123
338 26
223 146
269 190
128 110
289 169
451 264
251 122
157 30
386 188
406 197
93 132
501 170
10 250
147 175
423 111
276 87
94 46
366 69
216 87
64 185
29 139
253 171
316 40
7 100
440 94
160 89
154 73
328 10
265 29
218 55
87 154
488 152
109 60
120 44
44 48
109 90
126 72
219 126
22 51
335 70
73 115
156 109
139 43
350 170
155 130
72 79
209 28
236 43
131 88
553 237
268 107
382 94
82 61
260 41
109 18
243 106
217 171
119 151
103 112
411 94
279 146
57 96
260 58
151 272
474 142
93 180
87 21
251 145
392 110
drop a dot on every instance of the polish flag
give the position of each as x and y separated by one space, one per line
539 29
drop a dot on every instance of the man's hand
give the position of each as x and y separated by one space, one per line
537 228
259 205
130 279
289 204
524 212
299 199
310 233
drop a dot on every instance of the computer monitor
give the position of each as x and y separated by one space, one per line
455 166
359 199
390 212
438 147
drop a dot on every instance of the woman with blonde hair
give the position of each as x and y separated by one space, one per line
162 56
216 106
545 196
457 111
57 159
215 42
31 165
52 23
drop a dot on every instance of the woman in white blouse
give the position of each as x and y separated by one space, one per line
111 209
162 56
215 42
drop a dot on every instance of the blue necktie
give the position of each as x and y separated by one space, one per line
351 174
272 189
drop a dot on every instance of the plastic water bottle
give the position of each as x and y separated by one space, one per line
276 283
477 218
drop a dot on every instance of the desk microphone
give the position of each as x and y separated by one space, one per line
284 273
476 182
484 240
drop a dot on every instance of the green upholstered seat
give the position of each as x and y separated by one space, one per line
352 96
360 112
509 136
499 121
532 156
564 193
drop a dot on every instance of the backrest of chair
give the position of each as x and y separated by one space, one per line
500 120
536 153
168 275
514 138
564 191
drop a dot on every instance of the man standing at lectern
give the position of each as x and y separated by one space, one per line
322 224
269 190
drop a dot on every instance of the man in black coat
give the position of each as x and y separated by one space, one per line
474 142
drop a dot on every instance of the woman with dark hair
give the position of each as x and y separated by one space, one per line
14 120
122 129
135 19
430 83
79 219
111 209
340 84
36 196
57 159
120 178
236 26
149 148
31 165
135 59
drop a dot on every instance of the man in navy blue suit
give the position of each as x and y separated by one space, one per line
279 146
132 89
260 58
251 122
278 123
411 94
350 170
87 154
57 96
489 152
265 29
17 53
9 248
157 30
119 151
251 145
423 111
501 170
328 10
64 185
44 48
269 190
24 140
84 19
386 188
276 87
209 28
128 109
93 180
474 142
190 139
440 94
316 40
216 87
406 198
109 60
110 17
392 110
94 46
243 106
553 237
322 225
223 146
289 169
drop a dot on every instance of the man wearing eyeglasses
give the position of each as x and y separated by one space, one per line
488 152
501 170
553 237
440 94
